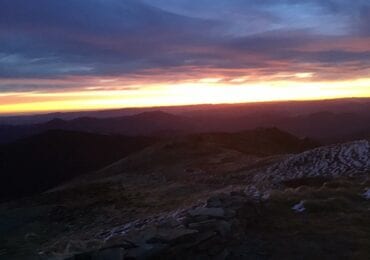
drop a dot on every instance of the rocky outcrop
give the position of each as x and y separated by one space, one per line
203 231
331 161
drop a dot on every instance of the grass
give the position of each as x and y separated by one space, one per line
335 224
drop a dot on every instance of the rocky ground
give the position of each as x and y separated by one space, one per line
331 222
206 203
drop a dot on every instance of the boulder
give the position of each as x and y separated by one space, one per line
210 212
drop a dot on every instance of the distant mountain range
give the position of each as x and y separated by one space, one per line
324 126
282 108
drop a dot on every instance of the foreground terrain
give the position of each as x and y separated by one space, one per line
261 194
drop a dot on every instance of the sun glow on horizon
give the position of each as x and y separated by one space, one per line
203 91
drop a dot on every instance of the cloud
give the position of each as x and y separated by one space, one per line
169 40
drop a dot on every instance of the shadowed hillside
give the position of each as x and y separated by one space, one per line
40 162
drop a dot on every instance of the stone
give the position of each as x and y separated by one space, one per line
230 213
211 212
145 251
237 193
82 256
116 253
171 235
109 254
214 202
31 236
118 240
194 219
223 255
299 207
221 226
203 225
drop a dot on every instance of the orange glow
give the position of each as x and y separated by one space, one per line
213 90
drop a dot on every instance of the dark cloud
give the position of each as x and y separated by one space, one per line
133 38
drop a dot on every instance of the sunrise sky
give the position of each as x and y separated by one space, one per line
91 54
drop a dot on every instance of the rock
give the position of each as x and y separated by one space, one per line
214 202
230 213
170 223
31 236
109 254
145 251
82 256
366 194
203 225
253 193
194 219
171 235
118 240
237 193
211 212
116 253
222 227
202 237
223 255
299 207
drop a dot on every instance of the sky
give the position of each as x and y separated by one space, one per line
79 55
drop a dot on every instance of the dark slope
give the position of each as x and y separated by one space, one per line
326 125
42 161
208 157
260 141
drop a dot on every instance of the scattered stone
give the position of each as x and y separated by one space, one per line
118 240
170 223
31 236
299 207
221 226
237 193
253 192
145 251
171 235
223 255
204 236
211 212
214 202
109 254
366 194
204 229
230 213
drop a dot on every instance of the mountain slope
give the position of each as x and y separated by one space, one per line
260 141
210 153
42 161
347 159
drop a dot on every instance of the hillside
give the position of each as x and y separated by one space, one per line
158 179
37 163
346 159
